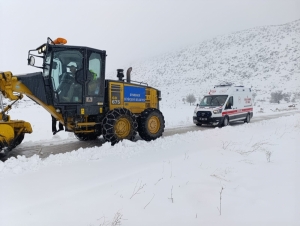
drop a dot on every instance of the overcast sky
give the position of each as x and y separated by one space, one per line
129 30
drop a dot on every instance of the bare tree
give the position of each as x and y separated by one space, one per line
253 96
220 209
191 98
137 189
287 97
276 97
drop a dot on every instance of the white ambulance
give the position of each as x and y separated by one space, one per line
224 104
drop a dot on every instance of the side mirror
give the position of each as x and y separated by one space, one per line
31 60
197 105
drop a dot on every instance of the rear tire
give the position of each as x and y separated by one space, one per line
119 124
247 120
151 124
86 136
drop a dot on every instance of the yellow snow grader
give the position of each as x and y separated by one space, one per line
72 87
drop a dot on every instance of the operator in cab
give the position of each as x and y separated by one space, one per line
70 89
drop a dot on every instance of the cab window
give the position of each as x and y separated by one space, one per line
67 75
94 74
229 103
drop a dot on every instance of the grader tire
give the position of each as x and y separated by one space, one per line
86 136
119 124
151 124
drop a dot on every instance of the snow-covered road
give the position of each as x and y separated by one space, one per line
45 148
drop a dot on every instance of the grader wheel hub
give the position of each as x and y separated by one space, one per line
122 127
153 124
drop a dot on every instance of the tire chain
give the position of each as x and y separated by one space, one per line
109 121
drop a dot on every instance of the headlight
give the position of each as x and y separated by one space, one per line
195 113
42 49
217 111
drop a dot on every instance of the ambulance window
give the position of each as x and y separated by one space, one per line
229 103
214 100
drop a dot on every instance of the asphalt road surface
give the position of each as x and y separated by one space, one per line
44 149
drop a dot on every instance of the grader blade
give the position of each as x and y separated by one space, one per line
6 134
12 133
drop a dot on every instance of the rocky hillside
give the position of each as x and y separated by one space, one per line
266 58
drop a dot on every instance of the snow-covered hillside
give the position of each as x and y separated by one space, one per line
266 58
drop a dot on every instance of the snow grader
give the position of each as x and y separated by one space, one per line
71 86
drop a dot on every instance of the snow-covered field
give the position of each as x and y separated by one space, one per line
237 175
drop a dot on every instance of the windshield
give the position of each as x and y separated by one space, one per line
216 100
67 74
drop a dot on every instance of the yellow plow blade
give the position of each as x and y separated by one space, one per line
12 133
6 134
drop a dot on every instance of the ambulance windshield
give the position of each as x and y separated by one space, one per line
215 100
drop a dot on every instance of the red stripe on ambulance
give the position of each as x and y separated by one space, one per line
239 111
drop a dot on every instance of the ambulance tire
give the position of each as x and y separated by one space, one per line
247 118
225 121
198 124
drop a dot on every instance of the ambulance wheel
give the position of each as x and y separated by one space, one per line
151 124
119 124
198 124
247 118
225 121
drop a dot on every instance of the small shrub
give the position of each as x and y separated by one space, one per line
276 97
191 98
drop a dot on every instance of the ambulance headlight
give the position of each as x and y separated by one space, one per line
195 113
217 111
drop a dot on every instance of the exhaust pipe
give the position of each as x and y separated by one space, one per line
128 74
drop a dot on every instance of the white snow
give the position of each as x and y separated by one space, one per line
175 180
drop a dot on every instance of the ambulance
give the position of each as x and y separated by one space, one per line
224 104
